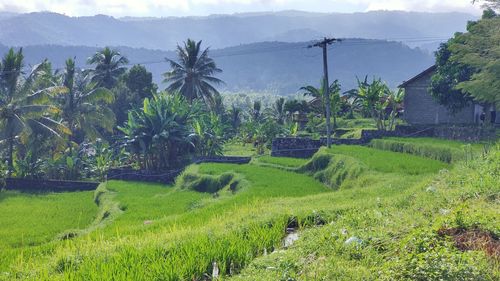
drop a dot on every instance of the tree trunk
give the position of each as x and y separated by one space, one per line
10 161
487 115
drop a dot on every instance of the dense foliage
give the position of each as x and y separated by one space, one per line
161 133
468 65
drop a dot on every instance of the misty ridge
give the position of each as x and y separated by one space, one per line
264 52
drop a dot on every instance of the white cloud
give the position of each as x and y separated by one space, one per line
200 7
421 5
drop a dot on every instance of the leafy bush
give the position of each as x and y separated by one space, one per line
430 257
436 152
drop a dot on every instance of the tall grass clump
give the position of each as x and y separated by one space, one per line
191 257
331 169
204 183
439 152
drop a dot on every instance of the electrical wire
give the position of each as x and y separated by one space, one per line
296 46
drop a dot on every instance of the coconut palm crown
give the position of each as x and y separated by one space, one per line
192 75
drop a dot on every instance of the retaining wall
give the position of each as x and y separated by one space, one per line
168 177
39 185
128 174
306 147
224 159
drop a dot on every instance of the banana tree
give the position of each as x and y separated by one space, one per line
319 93
161 133
210 131
374 99
395 100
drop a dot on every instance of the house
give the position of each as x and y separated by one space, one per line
421 108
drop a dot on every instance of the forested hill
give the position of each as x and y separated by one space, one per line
219 31
275 67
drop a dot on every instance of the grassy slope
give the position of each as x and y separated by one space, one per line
388 161
237 149
397 225
28 220
383 206
282 161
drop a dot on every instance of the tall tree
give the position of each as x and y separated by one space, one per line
479 49
108 65
446 77
83 106
140 82
133 87
489 4
192 74
23 107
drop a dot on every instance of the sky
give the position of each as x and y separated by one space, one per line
165 8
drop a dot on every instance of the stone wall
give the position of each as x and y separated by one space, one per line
468 134
295 147
306 147
168 177
224 159
38 185
460 133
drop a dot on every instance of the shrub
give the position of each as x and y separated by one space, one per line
429 257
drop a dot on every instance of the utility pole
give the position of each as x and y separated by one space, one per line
326 87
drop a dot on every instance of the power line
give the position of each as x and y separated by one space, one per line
345 42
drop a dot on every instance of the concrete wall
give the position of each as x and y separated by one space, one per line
421 108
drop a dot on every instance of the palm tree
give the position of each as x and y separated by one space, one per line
255 113
83 105
277 111
109 65
193 74
235 117
24 108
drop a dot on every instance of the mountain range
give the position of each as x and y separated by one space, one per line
220 31
275 67
257 51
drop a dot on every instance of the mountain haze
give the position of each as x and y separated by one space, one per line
220 31
276 67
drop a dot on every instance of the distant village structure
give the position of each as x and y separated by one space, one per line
420 108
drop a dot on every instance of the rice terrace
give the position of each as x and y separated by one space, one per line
156 160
